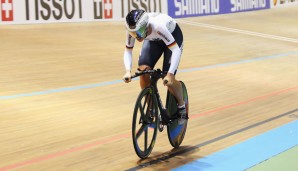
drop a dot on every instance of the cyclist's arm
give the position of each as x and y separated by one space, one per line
176 55
170 41
127 57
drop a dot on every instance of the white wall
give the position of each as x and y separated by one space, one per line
55 11
49 11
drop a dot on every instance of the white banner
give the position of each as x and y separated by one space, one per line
53 11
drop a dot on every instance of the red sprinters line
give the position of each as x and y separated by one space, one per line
119 137
65 152
244 102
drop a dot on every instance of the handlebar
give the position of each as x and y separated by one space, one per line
156 72
152 71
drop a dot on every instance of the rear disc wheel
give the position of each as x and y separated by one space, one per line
176 132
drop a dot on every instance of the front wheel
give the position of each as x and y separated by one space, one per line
144 124
175 131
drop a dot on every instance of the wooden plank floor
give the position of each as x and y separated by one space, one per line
63 106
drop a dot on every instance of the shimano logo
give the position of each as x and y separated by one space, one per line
196 7
240 5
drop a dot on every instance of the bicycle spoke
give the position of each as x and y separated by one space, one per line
142 113
141 109
141 130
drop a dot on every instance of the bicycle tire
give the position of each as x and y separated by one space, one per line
175 131
145 123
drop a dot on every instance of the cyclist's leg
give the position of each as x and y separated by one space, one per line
176 88
144 79
150 54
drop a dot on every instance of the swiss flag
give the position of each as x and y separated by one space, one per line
7 10
108 8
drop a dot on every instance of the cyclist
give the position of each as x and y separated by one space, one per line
161 35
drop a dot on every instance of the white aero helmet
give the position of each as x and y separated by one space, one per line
136 23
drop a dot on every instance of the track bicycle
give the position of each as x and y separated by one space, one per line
150 115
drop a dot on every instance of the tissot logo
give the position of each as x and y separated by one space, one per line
146 5
103 9
7 10
53 9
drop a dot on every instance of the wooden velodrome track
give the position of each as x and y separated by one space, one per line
63 106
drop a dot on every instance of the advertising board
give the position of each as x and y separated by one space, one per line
191 8
55 11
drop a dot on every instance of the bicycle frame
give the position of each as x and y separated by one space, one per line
155 75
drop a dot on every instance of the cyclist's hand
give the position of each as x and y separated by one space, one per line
127 77
169 79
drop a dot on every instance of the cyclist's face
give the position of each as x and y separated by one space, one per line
139 34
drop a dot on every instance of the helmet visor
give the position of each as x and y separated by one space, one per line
139 34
